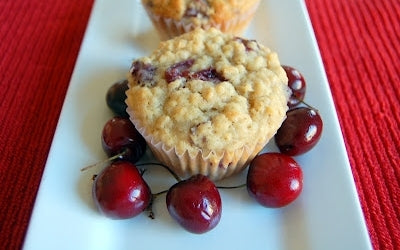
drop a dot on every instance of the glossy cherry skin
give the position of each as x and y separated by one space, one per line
195 204
115 98
120 135
300 131
274 179
120 192
297 85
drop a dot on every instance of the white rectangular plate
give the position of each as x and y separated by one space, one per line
327 215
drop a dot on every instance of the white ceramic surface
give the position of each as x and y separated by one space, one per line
327 215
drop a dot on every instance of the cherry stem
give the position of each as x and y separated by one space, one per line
164 166
305 103
308 105
149 208
142 164
104 161
239 186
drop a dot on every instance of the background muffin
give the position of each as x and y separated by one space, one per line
174 17
207 102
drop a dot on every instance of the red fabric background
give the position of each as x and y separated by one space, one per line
360 46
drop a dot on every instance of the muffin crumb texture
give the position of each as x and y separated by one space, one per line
208 95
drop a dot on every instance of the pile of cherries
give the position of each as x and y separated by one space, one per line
273 179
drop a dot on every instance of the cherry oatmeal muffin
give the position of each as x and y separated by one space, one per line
207 102
174 17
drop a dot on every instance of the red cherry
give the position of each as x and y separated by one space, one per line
297 85
115 98
195 204
274 179
300 131
120 192
120 136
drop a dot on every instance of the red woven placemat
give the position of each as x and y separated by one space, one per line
359 42
39 43
360 46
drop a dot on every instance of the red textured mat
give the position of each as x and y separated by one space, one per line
360 46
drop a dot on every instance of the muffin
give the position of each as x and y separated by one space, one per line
207 102
174 17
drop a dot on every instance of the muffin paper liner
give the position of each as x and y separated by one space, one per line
186 165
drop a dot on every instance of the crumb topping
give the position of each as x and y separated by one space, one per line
208 91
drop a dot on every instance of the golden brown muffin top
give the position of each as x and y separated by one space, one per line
208 91
216 10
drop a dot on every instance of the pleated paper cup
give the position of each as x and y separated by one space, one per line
215 166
